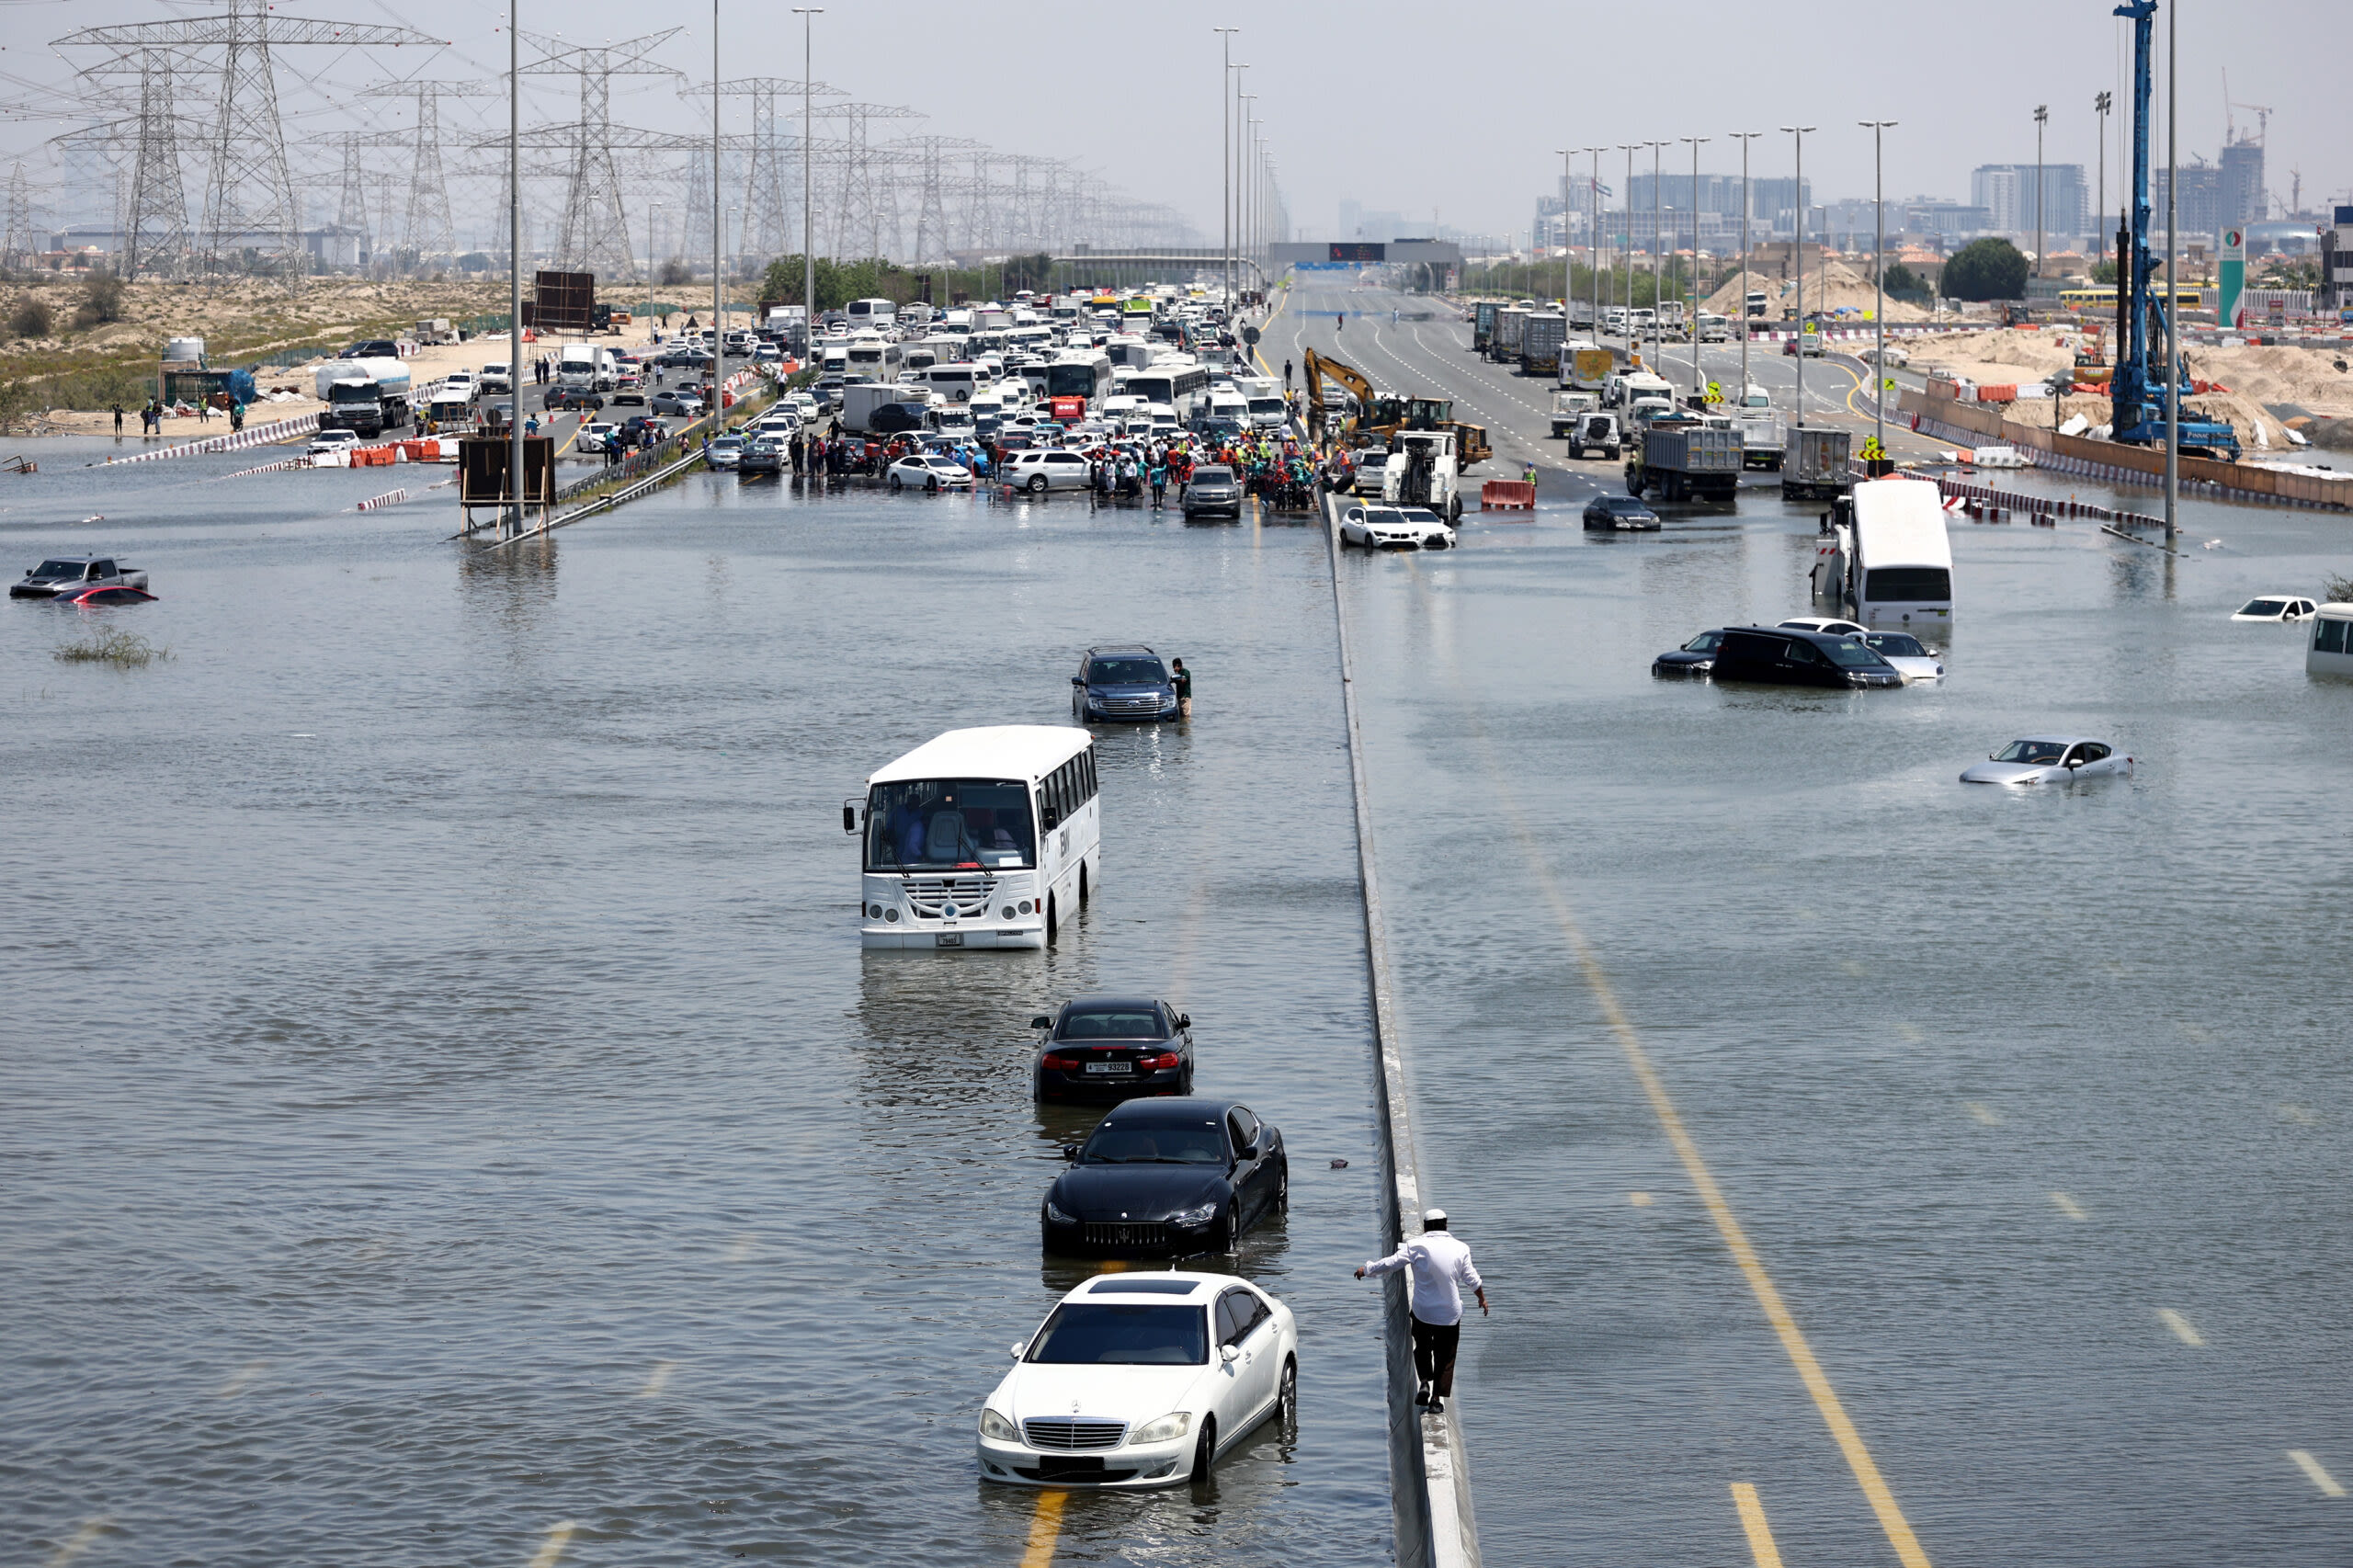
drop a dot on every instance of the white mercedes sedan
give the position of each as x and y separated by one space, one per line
1139 1380
2049 759
1394 528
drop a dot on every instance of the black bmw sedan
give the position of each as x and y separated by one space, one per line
1111 1047
1169 1176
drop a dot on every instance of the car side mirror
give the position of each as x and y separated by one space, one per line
1184 1020
1070 1151
1078 680
1041 1022
1228 1353
1250 1150
1017 1347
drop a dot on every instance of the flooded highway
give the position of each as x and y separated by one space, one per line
451 1119
1961 1170
449 1108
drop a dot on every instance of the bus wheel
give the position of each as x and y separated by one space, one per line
1053 923
1082 884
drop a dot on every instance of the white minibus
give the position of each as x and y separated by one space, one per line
1080 373
870 315
953 382
874 357
979 838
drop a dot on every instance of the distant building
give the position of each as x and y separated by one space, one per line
2007 193
2199 210
1715 193
2242 198
1947 222
2336 262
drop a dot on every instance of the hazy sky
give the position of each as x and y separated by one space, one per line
1408 107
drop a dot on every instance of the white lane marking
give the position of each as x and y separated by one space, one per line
2180 1327
241 1380
658 1379
1983 1112
1910 1034
2303 1116
559 1536
79 1542
741 1250
2314 1473
2068 1206
1640 1199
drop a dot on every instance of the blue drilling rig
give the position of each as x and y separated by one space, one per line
2140 316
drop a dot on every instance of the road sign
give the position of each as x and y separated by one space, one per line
1715 392
1250 335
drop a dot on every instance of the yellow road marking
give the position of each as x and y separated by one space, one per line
1983 1112
242 1378
81 1540
2297 1114
2067 1205
1752 1519
741 1250
2328 1484
1640 1199
559 1536
658 1379
1793 1342
2180 1327
1045 1529
1909 1034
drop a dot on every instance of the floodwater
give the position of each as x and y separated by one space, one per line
2031 1105
448 1107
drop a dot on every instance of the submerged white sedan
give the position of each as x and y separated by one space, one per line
1395 528
1139 1380
2049 759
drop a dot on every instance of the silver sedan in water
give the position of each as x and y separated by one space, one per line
2049 759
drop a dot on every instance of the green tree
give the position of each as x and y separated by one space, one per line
2104 273
31 318
1986 269
1903 283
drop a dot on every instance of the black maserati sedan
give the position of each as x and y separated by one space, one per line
1168 1176
1111 1047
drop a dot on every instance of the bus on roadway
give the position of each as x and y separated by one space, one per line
979 838
1080 373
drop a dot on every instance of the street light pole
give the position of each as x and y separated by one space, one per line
2041 118
1799 131
808 227
1698 382
1568 279
1657 275
1225 163
1879 263
718 230
2173 295
512 523
1233 289
1626 202
1593 235
1744 138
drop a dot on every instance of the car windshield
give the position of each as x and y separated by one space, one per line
1901 644
1112 1023
1853 655
58 569
1126 672
1128 1144
1626 503
1704 643
948 825
2033 751
2263 607
1125 1334
1213 476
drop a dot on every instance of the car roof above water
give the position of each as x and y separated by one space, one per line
1180 1111
1110 1004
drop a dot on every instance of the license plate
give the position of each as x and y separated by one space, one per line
1111 1067
950 939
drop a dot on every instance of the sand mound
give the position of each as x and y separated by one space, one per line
1834 286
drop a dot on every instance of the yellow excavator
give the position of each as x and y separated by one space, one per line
1385 414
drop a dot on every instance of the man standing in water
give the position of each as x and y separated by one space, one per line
1441 1267
1182 679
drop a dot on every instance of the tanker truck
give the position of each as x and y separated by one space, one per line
366 397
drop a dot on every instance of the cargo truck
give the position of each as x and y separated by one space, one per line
366 397
1541 337
1764 437
1684 460
1482 324
1586 368
1567 406
1815 467
1503 346
878 408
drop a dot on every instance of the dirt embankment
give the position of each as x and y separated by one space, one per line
1834 286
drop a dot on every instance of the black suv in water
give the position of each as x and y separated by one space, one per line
1121 682
1112 1048
1777 656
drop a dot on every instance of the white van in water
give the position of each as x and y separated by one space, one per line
979 838
1888 557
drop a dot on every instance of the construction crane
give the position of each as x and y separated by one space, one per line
2139 399
1384 414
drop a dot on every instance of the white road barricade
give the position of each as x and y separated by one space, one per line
233 441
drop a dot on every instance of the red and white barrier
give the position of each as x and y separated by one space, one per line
389 498
233 441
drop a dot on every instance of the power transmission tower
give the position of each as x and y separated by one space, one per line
771 220
857 220
154 230
594 236
17 246
427 228
928 154
250 192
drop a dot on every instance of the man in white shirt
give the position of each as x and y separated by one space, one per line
1442 1267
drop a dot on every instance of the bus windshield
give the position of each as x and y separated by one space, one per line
946 824
1073 379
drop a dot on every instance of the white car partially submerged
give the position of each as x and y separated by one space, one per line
1141 1380
2276 607
2049 759
1394 528
1913 659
